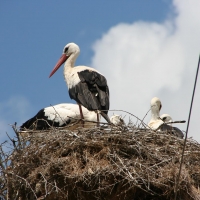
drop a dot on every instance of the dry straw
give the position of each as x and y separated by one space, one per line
113 163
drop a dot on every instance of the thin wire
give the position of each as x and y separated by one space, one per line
177 183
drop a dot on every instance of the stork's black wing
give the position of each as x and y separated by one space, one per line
92 91
178 132
174 130
40 122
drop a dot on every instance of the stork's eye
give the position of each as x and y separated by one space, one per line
66 49
164 118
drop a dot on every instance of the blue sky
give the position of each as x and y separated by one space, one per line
33 34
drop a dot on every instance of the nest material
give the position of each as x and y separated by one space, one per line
98 164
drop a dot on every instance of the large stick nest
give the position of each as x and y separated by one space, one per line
99 164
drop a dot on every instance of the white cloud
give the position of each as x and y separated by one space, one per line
14 109
146 59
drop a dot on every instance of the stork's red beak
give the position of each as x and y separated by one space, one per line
62 59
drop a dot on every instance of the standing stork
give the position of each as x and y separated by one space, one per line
86 85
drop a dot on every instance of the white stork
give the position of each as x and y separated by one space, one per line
155 121
159 123
59 115
86 85
117 120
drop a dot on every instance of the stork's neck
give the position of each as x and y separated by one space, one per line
155 112
70 62
69 65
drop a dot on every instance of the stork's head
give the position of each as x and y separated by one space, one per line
117 120
156 104
166 118
69 50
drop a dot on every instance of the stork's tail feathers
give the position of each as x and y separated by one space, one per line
105 116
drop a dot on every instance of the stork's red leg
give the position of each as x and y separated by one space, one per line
81 113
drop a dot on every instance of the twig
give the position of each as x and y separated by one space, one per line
144 117
25 182
12 140
1 160
160 163
17 133
131 115
45 184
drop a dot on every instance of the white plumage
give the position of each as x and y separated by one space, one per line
64 112
166 118
71 74
155 121
58 116
117 120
